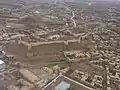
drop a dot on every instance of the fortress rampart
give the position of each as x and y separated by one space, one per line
50 49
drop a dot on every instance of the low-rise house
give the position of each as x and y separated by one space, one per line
21 85
29 76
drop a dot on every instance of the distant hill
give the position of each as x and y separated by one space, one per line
11 3
19 3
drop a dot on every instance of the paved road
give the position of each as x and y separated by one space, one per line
69 9
72 18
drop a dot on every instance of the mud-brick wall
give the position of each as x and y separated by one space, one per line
45 49
16 49
74 46
49 48
82 45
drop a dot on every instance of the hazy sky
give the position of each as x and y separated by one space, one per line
106 0
101 0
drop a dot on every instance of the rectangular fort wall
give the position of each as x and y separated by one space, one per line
74 46
49 48
57 47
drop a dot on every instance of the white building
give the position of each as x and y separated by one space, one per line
2 66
